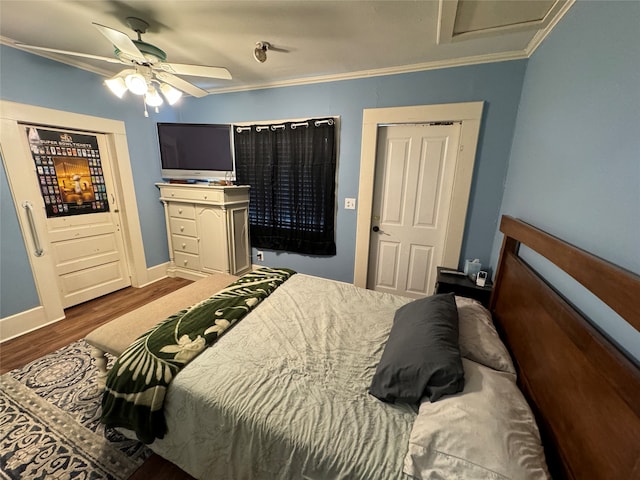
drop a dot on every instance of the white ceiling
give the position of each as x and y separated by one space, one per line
323 40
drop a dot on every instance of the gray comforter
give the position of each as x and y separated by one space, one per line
284 394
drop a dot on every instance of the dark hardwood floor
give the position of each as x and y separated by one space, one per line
79 321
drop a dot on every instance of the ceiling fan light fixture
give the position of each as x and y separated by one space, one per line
260 52
116 85
136 83
171 94
147 66
152 97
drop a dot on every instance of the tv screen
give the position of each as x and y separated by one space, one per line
196 151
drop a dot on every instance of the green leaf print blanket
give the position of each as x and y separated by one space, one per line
138 381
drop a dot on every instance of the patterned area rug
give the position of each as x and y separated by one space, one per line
50 422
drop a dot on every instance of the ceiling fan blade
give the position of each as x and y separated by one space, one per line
66 52
181 84
196 70
122 42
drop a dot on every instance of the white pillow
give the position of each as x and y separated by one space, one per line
479 341
486 432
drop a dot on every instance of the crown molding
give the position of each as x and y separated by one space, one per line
541 34
418 67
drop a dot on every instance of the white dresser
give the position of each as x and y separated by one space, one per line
207 229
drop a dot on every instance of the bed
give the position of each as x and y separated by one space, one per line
286 392
584 390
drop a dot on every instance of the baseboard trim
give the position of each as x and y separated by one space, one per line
24 322
35 318
155 273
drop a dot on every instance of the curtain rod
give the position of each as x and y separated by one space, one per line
259 128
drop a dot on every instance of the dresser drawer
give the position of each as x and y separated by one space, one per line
186 260
184 244
182 210
198 194
183 226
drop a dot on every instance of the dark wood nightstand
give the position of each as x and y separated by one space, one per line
461 285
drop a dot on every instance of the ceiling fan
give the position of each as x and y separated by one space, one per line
147 66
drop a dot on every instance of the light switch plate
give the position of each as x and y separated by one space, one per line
350 203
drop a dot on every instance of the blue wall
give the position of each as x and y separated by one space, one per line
24 77
498 84
16 281
31 79
574 169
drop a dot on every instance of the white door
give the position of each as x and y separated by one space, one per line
415 170
82 226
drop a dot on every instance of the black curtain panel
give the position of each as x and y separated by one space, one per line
291 169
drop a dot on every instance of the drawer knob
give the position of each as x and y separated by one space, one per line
184 245
184 262
205 197
179 210
182 229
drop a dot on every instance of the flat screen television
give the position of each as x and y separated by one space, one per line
196 151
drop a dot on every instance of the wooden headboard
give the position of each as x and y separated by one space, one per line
584 391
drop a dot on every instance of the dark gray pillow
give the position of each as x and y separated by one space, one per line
422 356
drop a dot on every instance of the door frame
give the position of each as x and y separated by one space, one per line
21 184
470 115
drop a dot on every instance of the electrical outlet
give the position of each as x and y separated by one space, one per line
350 203
260 256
